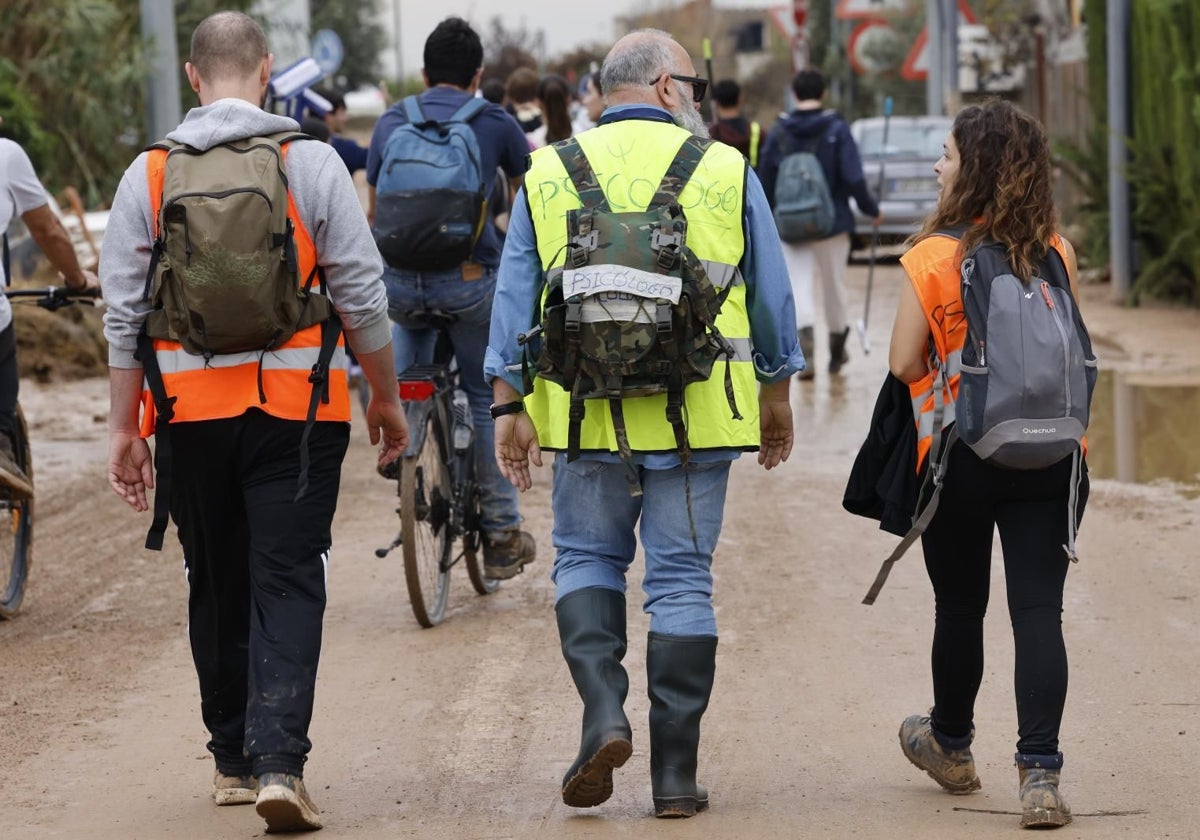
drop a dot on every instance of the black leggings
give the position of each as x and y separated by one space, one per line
1030 510
9 381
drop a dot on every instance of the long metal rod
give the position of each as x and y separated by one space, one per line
162 79
1120 246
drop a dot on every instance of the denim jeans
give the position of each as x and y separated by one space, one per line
595 519
471 302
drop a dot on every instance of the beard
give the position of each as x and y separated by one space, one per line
688 118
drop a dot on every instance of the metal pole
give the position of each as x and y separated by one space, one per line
1118 129
950 56
933 53
162 81
399 51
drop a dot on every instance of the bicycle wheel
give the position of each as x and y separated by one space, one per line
471 544
16 536
425 498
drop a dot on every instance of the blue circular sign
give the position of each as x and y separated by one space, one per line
327 51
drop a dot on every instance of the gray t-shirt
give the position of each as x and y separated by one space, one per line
20 192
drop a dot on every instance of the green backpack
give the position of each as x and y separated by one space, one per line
224 276
632 311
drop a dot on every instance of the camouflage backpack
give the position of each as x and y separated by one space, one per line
632 311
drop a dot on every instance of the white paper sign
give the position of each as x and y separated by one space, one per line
594 279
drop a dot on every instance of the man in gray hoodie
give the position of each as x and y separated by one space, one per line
255 551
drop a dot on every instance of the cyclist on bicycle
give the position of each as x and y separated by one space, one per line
22 194
453 64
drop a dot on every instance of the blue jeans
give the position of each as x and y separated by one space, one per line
471 303
595 519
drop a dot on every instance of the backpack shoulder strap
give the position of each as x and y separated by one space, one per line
412 110
470 109
681 170
583 177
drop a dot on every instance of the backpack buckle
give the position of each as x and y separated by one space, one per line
668 246
662 318
319 374
574 315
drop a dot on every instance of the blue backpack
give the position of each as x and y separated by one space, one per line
804 208
430 197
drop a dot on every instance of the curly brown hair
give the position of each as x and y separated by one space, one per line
1002 188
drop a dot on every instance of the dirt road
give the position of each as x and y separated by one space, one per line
464 731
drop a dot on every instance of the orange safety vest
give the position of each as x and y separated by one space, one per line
227 385
932 266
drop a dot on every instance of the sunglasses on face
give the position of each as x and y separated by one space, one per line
699 86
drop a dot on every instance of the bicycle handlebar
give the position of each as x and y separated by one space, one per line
56 297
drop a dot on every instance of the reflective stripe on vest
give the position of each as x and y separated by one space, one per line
228 385
629 158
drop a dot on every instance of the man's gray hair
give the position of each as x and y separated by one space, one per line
638 63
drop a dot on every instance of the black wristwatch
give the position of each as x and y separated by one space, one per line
513 407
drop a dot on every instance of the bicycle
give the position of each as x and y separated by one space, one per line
439 496
16 541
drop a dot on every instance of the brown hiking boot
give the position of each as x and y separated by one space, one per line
14 483
506 552
234 790
1042 803
284 804
954 770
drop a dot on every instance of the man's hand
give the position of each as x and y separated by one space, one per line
516 446
130 468
386 420
775 423
91 283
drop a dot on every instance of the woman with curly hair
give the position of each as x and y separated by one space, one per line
995 182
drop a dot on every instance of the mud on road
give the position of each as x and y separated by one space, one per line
464 731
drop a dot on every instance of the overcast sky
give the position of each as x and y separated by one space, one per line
567 23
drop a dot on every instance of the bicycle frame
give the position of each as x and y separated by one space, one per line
426 390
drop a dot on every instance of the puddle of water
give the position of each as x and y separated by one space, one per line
1141 432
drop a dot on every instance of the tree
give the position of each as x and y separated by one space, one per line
505 50
362 38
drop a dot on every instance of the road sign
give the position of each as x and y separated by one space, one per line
327 50
864 40
852 9
916 65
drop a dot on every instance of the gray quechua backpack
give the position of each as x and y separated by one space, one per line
1028 372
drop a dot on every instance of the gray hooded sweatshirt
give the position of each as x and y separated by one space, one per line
325 197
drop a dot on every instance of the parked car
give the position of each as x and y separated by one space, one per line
910 187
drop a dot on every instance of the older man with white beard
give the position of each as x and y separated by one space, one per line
623 458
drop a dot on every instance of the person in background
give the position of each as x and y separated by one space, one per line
255 555
653 95
591 102
316 128
453 67
995 180
808 125
553 100
521 91
353 154
22 194
730 126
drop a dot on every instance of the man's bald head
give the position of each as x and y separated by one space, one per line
637 60
228 46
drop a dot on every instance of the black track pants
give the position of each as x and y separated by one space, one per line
256 574
9 381
1030 510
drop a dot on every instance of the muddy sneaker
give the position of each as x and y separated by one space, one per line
954 770
13 481
284 804
1042 803
234 790
505 553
